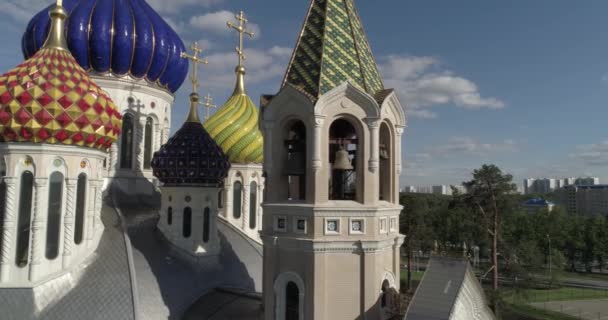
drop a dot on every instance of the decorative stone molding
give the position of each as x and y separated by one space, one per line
38 224
7 228
318 121
374 151
68 221
280 285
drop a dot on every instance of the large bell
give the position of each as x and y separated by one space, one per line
342 161
296 164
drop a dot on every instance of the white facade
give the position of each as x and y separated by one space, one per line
585 200
546 185
51 212
241 199
148 108
188 220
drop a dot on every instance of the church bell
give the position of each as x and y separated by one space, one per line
342 161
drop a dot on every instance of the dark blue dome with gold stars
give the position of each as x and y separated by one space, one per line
119 37
191 156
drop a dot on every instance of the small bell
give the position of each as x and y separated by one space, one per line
342 161
383 153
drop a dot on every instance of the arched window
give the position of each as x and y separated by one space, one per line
295 168
170 216
253 204
81 193
343 149
386 155
148 143
220 199
187 223
292 301
53 223
24 219
238 194
126 142
206 221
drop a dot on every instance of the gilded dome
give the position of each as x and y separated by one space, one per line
234 127
49 98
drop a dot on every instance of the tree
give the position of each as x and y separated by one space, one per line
412 224
488 193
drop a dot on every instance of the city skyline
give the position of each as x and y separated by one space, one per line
473 95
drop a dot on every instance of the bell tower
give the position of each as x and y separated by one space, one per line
332 162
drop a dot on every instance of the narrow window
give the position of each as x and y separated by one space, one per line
170 216
253 204
81 193
206 221
53 223
148 143
292 302
25 216
238 193
187 224
2 205
126 142
295 168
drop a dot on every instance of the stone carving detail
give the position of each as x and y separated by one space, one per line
7 229
68 221
38 222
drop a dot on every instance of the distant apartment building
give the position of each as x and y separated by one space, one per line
587 200
438 189
546 185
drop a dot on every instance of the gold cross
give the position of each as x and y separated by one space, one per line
208 105
195 61
240 28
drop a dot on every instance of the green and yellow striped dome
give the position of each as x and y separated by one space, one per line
234 127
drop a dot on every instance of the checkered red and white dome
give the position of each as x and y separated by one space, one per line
49 98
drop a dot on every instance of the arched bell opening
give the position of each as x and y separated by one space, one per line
386 163
295 167
343 157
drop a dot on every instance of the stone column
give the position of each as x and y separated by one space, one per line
374 151
113 163
166 132
68 222
245 207
38 226
157 133
260 209
225 201
315 184
268 142
8 229
317 163
399 133
96 215
139 145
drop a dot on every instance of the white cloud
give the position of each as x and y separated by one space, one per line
470 146
175 6
593 154
262 65
423 83
216 22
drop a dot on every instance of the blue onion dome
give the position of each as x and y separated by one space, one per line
116 37
191 156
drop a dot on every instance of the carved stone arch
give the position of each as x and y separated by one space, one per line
289 98
390 277
394 108
25 163
346 90
57 164
280 285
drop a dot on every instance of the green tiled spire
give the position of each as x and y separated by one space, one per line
333 48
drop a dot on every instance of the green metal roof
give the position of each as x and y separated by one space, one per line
332 48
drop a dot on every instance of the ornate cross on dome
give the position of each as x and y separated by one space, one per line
208 105
195 61
240 28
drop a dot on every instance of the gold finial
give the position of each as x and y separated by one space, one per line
56 37
240 28
193 114
208 106
240 69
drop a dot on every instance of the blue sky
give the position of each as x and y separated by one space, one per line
523 84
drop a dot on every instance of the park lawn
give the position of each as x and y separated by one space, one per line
559 294
583 276
416 275
522 311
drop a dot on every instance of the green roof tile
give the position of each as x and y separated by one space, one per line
333 48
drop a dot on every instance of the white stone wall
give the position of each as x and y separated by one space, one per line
142 100
42 161
244 173
196 198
